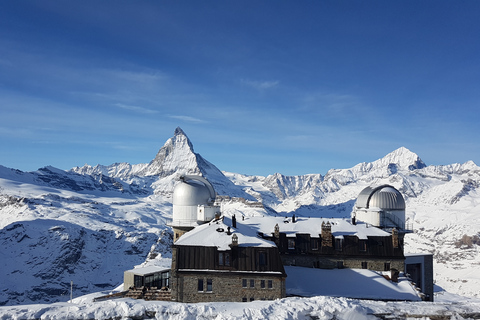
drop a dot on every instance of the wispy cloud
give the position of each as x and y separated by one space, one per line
260 85
186 118
136 108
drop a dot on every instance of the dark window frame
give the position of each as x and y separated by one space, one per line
291 243
244 283
262 259
339 244
209 285
362 245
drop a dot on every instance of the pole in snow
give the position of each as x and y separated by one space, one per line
71 291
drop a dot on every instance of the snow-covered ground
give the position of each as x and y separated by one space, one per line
319 307
92 223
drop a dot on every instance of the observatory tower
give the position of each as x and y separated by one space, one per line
382 207
193 204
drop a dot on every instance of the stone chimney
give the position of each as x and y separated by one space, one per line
395 238
327 234
276 231
234 240
276 235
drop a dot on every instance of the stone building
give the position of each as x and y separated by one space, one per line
333 243
216 258
223 261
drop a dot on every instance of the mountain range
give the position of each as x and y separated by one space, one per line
89 224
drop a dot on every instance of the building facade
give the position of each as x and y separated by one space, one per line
219 262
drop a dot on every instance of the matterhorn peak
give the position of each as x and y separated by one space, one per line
176 154
179 131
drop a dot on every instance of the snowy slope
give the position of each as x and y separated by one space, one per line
90 224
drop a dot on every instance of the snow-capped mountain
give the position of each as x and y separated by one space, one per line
175 158
90 224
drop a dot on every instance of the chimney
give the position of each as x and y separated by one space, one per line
234 221
327 234
234 240
395 238
276 231
293 218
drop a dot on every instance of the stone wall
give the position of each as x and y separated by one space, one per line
227 287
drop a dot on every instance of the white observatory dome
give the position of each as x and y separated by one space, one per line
382 206
193 201
191 193
384 197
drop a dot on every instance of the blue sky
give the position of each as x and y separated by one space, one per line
259 87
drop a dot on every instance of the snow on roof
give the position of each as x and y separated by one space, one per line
147 270
312 226
350 283
214 234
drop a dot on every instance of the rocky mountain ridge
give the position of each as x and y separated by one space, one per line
62 225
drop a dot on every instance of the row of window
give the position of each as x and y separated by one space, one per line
315 244
225 261
158 280
386 265
246 283
250 283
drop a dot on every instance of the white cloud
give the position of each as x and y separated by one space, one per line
186 118
260 85
136 108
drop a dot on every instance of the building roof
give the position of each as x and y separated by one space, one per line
147 270
312 226
215 234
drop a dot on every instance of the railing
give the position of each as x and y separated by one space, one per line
384 217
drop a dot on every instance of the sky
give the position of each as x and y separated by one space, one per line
259 87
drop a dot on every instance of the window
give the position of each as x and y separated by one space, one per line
339 244
244 283
200 285
364 265
252 283
262 284
138 281
251 298
262 258
224 259
339 264
270 284
244 299
209 285
386 266
291 243
314 243
362 245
